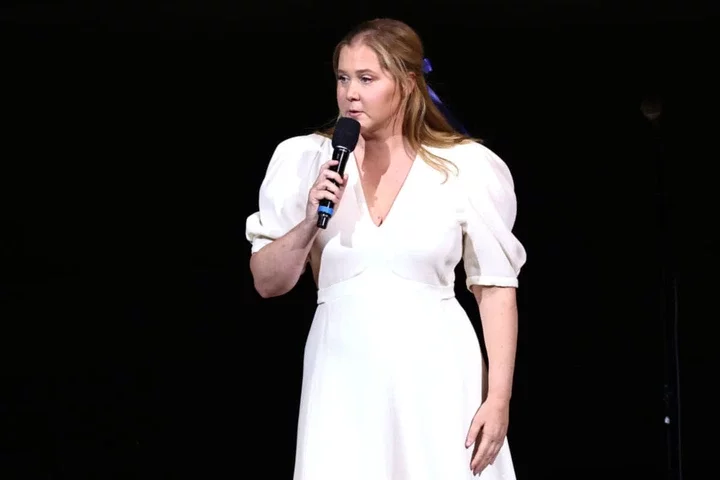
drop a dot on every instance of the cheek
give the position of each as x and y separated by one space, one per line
391 99
381 101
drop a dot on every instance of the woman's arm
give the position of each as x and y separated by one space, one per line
277 267
498 313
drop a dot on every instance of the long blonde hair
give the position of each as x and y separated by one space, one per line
400 52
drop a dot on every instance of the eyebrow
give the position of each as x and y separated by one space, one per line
358 72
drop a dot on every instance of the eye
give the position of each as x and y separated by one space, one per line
366 79
342 78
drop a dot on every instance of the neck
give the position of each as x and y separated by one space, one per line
387 143
383 144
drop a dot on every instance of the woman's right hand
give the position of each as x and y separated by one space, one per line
325 189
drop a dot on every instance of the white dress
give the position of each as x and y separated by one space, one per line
393 371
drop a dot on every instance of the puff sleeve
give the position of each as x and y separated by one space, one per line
492 255
284 190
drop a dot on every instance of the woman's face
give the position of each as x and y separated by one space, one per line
365 91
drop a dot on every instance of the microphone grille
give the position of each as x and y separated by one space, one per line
347 133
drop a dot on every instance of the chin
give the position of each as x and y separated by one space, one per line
364 126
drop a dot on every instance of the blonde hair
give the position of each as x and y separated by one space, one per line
400 52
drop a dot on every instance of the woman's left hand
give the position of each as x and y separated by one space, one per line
487 431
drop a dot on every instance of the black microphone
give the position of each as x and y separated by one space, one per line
344 140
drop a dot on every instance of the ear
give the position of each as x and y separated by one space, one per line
409 82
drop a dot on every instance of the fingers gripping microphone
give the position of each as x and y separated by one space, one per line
345 138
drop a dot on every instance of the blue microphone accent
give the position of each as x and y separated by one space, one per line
427 68
324 209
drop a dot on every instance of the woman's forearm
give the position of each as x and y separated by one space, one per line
277 267
498 313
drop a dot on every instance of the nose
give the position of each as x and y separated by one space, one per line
352 92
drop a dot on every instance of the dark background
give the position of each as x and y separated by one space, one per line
136 137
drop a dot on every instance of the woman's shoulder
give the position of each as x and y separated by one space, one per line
475 162
466 151
304 151
301 144
470 154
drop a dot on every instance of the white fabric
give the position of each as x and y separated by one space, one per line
393 372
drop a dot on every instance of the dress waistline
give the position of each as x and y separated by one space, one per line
385 284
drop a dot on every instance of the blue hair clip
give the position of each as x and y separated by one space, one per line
427 68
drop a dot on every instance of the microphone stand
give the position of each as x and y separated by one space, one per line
671 387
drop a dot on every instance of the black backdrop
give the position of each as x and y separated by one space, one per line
135 345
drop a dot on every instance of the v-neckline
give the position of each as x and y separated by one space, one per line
395 200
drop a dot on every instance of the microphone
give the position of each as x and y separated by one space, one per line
344 141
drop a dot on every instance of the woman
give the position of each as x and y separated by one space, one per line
393 385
